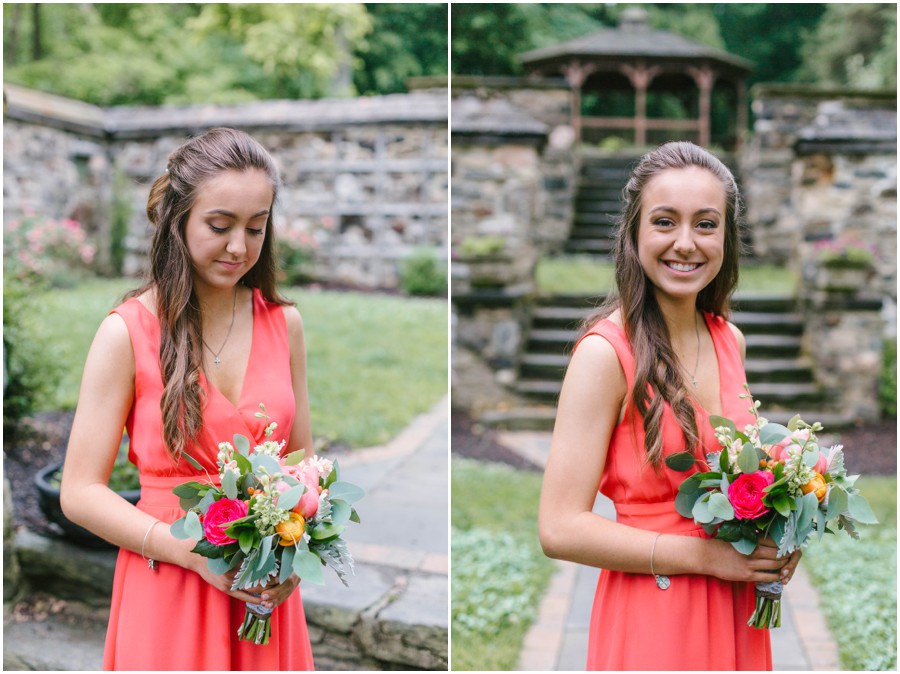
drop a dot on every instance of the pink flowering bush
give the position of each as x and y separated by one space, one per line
296 255
55 252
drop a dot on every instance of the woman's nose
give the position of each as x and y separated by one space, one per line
684 240
236 244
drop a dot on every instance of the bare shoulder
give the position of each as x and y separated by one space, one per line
595 364
294 321
739 336
111 351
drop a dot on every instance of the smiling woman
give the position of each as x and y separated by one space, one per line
650 368
184 363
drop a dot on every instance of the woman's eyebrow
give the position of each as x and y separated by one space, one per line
672 209
233 216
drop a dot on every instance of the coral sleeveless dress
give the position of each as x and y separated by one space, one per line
699 622
171 619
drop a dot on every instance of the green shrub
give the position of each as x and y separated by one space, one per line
57 253
423 273
482 246
31 372
296 250
887 389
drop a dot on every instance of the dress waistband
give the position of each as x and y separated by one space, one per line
656 516
157 489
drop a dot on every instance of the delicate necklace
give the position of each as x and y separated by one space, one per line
228 334
697 362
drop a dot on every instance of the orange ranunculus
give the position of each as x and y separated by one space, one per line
817 485
291 530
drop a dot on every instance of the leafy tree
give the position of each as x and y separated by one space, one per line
407 40
485 38
853 45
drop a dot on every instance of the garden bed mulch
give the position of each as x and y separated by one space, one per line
869 449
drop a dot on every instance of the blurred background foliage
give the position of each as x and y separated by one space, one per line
851 45
153 54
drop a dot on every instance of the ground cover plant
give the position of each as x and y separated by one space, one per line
499 572
374 361
858 592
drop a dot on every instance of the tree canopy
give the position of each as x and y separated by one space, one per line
831 44
146 53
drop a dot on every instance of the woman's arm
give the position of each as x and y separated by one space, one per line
106 396
592 395
301 432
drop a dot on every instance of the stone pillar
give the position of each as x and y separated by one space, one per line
12 573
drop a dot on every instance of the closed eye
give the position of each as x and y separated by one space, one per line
663 222
707 224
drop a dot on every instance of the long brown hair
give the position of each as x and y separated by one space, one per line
656 365
170 271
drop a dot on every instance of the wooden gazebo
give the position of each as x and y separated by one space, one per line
629 63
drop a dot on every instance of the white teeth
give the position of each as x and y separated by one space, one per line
682 267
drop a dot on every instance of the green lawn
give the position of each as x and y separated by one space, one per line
499 572
857 582
375 361
589 277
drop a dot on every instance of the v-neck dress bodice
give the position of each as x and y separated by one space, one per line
699 622
172 619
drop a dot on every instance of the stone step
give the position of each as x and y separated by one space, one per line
535 418
763 302
588 231
783 346
605 175
590 191
593 205
606 219
768 322
599 247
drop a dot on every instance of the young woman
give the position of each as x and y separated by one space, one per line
183 364
650 368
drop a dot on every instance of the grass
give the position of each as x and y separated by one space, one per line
857 583
374 361
499 571
583 275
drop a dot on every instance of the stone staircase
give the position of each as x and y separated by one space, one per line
778 373
597 203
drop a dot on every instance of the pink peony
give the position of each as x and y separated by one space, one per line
746 494
308 475
218 518
822 464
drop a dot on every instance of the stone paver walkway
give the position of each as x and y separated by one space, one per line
558 639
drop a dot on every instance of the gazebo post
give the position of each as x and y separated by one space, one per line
741 135
640 76
705 79
576 73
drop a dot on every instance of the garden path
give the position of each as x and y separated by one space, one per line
558 638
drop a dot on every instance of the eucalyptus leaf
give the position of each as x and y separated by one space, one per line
243 463
324 531
691 485
308 567
191 460
218 565
748 459
782 504
334 475
729 531
266 462
346 492
744 546
190 489
723 461
207 549
354 516
242 444
340 511
192 526
820 523
720 507
265 552
860 510
186 503
206 501
716 422
811 456
794 423
680 461
684 503
291 497
177 530
287 562
229 484
700 511
772 434
838 502
810 505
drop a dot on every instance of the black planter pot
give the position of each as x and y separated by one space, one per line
48 499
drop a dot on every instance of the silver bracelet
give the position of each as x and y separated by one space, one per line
662 582
151 563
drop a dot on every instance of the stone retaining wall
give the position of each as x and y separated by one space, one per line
365 179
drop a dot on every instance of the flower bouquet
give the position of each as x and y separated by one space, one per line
272 516
770 480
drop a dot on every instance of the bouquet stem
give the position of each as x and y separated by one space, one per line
256 627
768 605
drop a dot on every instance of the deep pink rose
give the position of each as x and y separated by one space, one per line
219 516
822 464
746 494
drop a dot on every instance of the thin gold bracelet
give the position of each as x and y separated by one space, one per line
151 563
662 582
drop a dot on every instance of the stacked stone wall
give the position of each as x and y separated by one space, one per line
364 180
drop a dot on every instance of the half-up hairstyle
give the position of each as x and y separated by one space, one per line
658 379
170 271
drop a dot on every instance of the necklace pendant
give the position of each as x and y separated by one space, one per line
663 582
217 361
695 382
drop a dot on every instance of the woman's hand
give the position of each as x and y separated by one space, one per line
761 566
274 595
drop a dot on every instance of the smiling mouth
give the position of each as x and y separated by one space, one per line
682 266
